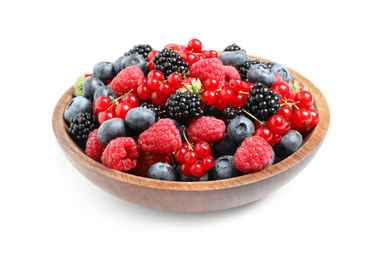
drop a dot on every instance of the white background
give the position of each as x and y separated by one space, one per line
50 211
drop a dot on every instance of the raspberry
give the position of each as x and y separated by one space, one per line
94 148
121 154
254 154
161 137
231 73
127 80
205 128
208 68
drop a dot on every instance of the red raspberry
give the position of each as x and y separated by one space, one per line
208 68
126 80
94 148
205 128
231 73
254 154
121 154
161 137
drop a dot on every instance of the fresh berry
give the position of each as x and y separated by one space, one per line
142 49
168 62
233 58
77 105
146 159
289 144
162 171
119 64
233 47
190 178
104 71
104 91
90 85
208 129
239 129
208 68
111 129
158 110
245 67
184 107
225 146
94 148
304 99
161 137
282 72
224 168
231 73
229 113
283 90
137 60
254 154
261 73
278 124
302 117
127 80
81 125
195 45
121 154
140 119
262 102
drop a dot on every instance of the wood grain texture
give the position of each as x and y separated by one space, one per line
194 196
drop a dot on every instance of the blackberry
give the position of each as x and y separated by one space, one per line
168 62
229 113
142 49
262 102
184 107
159 111
268 65
245 67
233 47
81 125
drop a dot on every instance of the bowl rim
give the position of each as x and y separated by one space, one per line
315 139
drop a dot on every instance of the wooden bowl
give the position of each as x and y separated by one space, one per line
194 196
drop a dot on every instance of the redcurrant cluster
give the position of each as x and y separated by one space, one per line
194 160
234 93
107 109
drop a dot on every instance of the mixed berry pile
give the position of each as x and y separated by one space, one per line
182 113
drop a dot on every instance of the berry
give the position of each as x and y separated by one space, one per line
158 110
282 72
262 102
77 105
142 49
233 58
102 103
226 95
278 124
161 137
231 73
90 85
233 47
184 107
245 67
162 171
304 99
138 60
208 68
283 90
146 159
105 115
254 154
302 117
190 178
168 62
105 91
210 97
261 73
94 148
225 146
239 129
78 85
211 84
174 80
81 125
235 84
197 170
104 71
315 118
119 64
265 133
224 168
289 144
127 80
195 45
140 118
111 129
202 149
208 129
121 154
208 162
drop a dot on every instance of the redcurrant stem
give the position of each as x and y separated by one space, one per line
262 123
245 93
290 104
186 139
119 98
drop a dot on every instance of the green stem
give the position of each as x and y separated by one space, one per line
186 139
262 123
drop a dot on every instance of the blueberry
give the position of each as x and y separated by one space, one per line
138 60
239 129
111 129
77 105
90 85
182 177
224 168
272 159
233 58
140 118
162 171
105 91
289 144
104 70
282 72
119 64
261 73
225 146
